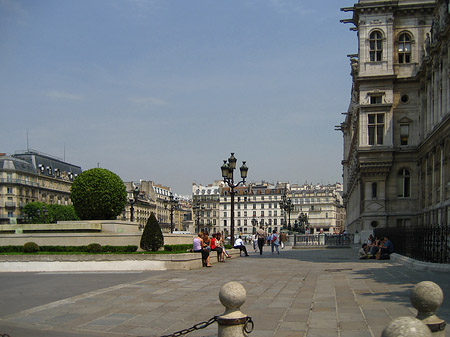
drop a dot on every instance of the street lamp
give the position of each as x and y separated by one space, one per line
171 204
132 202
42 216
287 205
228 177
197 208
254 224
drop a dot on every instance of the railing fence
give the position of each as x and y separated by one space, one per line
429 243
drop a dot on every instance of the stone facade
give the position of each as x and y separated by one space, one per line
33 176
255 204
155 198
323 206
206 201
396 128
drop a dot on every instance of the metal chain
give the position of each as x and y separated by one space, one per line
197 326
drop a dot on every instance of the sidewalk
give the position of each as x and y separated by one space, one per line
326 292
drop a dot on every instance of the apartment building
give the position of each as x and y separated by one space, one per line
29 176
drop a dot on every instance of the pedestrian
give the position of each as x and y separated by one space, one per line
275 241
261 234
255 242
283 239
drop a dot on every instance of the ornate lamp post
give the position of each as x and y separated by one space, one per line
287 205
171 204
228 177
42 216
132 202
198 208
254 224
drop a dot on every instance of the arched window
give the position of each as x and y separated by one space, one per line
376 46
404 48
404 183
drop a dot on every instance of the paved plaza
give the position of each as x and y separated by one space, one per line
322 292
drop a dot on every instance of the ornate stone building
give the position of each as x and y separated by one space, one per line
323 206
396 130
434 149
255 204
33 176
156 198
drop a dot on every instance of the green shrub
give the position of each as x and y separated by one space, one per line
94 248
228 246
119 249
30 247
98 194
152 237
178 248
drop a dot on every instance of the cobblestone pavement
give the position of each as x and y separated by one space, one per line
324 292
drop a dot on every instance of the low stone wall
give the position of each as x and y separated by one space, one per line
82 233
104 262
420 265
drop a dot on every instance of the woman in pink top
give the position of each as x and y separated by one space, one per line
198 247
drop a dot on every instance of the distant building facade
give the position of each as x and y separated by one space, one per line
321 205
397 128
258 204
255 204
30 176
205 207
155 198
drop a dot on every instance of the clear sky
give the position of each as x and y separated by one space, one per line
164 90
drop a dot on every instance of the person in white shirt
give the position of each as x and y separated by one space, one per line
240 245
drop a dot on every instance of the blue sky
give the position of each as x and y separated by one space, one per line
164 90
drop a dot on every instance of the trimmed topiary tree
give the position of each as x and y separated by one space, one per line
30 247
98 194
152 237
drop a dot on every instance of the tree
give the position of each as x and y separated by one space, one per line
98 194
35 212
152 237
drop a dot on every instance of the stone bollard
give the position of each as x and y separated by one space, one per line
233 323
406 327
427 297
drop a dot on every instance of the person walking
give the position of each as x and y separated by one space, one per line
283 239
275 241
261 234
255 242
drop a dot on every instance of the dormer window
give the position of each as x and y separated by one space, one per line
375 99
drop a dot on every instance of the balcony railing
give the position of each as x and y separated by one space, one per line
10 204
19 181
323 240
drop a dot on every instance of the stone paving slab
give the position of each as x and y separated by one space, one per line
322 293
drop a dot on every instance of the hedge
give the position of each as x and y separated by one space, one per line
178 248
72 249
